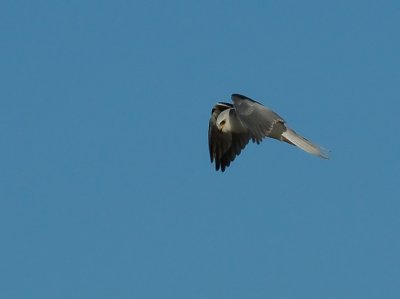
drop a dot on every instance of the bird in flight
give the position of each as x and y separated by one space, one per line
232 126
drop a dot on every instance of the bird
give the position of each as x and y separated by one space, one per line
233 125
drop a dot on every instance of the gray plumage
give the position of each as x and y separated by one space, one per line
231 127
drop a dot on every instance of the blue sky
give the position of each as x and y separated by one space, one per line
106 186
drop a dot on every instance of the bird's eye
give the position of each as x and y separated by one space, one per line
222 123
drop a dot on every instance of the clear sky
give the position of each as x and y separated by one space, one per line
106 188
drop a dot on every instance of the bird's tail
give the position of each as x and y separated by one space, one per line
292 137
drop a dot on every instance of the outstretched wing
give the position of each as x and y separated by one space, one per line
258 119
224 147
263 122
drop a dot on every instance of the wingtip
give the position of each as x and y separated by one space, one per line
238 95
242 97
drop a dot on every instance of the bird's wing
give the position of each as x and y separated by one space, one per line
239 142
258 119
224 147
218 143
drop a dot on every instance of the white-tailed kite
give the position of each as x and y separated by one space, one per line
231 127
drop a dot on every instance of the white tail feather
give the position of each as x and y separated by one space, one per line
304 144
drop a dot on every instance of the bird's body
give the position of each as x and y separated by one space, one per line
231 127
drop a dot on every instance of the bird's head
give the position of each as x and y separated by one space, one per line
223 124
